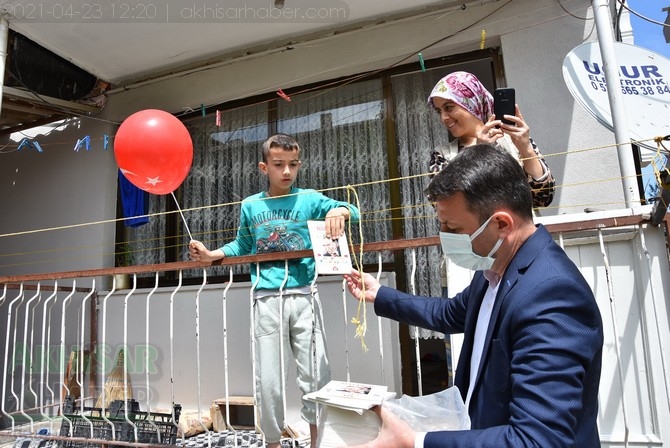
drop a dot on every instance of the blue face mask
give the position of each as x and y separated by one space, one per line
458 247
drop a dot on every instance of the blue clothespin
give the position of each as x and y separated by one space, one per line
24 142
86 142
423 65
30 144
202 110
105 142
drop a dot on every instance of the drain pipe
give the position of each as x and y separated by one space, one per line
603 20
4 37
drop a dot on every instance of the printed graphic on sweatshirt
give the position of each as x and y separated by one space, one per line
277 238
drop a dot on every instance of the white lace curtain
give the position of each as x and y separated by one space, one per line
343 136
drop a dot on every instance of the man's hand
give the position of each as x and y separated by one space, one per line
394 432
355 285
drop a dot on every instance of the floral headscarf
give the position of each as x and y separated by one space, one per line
464 89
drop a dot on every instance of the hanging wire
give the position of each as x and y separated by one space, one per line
615 338
147 358
655 22
27 360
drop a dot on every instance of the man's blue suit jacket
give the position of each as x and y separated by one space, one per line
539 374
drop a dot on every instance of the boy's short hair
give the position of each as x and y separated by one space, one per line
284 141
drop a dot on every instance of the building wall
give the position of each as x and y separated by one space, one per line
54 192
533 59
61 187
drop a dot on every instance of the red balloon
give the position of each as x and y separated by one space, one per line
154 151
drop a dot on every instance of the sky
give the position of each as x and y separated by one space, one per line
650 35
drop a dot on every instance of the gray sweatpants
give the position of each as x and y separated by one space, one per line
303 337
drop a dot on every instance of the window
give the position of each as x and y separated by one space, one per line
365 134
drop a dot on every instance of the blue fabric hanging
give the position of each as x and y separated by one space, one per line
652 190
135 202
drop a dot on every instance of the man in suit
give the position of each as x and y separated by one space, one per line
529 368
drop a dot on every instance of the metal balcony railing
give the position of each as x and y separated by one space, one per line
85 364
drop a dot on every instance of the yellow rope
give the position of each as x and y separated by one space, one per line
661 149
361 326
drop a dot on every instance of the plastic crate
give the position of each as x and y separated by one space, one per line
140 427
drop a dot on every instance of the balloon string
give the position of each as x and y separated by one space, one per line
182 216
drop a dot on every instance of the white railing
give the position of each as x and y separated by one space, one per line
185 346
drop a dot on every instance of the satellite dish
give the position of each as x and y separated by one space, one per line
645 88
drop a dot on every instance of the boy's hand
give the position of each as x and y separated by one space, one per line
335 219
198 252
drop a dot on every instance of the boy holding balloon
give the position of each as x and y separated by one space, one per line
275 220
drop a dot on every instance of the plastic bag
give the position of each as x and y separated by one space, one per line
342 427
440 411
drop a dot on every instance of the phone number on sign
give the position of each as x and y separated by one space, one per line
85 12
635 90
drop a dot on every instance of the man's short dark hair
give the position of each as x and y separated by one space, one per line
488 177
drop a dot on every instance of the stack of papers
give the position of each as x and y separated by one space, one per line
352 396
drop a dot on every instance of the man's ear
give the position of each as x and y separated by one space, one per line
263 167
504 222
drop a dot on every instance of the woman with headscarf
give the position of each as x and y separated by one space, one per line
465 107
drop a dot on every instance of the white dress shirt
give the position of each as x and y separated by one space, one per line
478 345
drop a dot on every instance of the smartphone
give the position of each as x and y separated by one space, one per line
503 103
